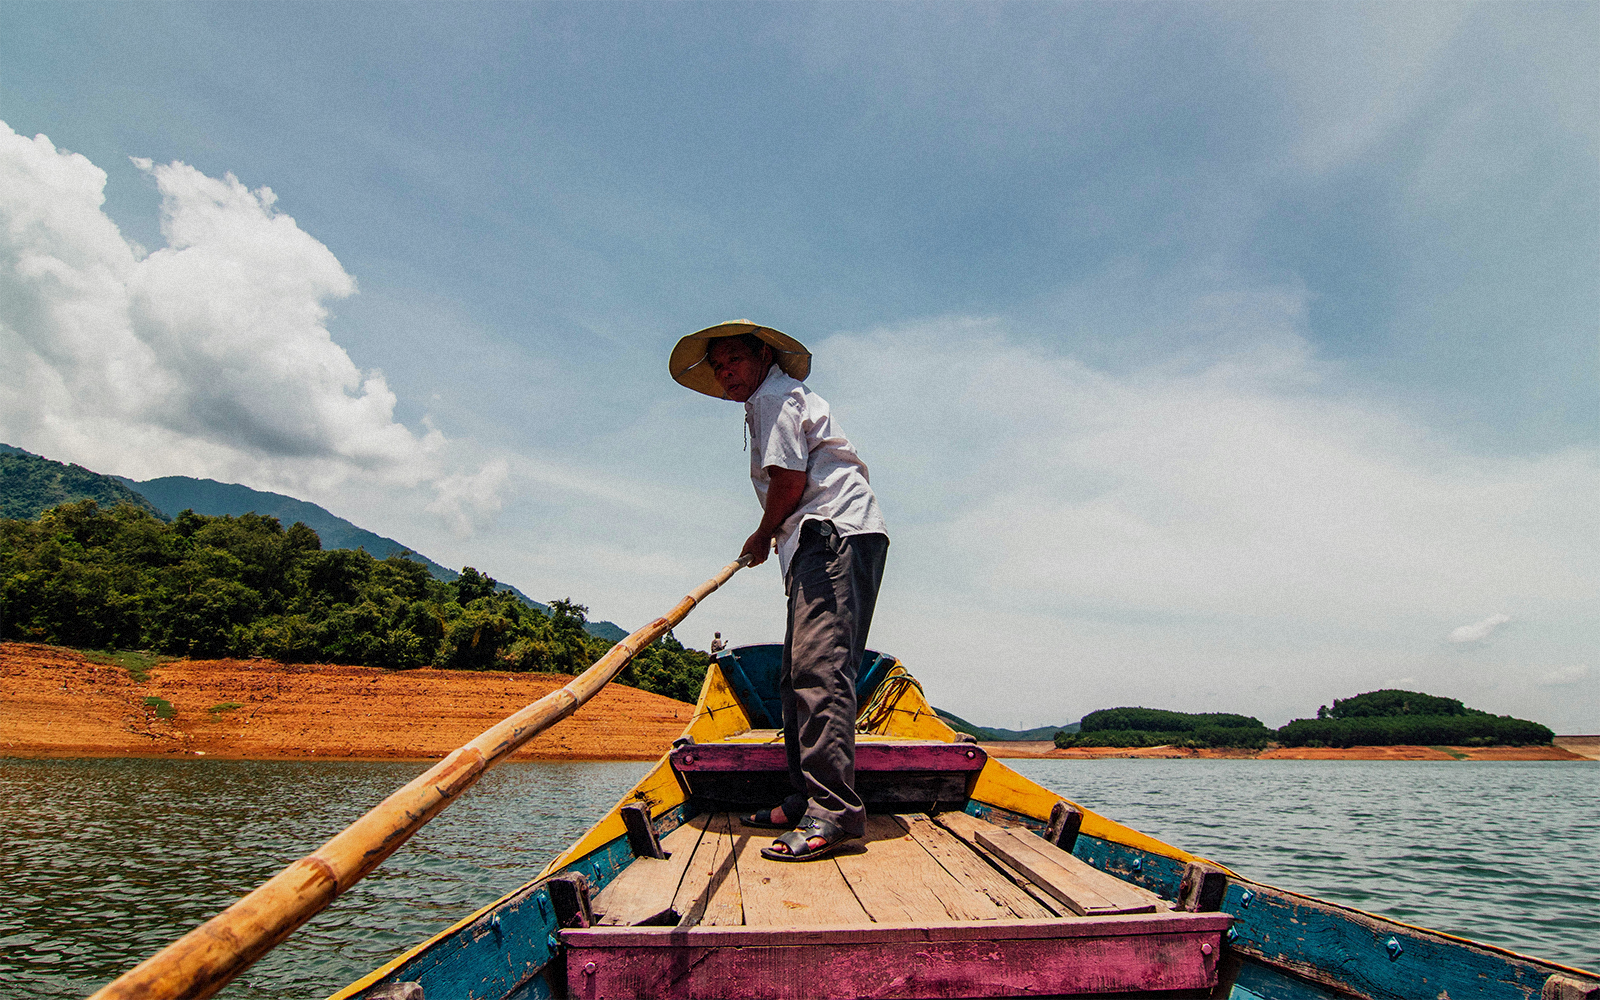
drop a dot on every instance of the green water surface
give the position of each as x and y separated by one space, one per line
104 861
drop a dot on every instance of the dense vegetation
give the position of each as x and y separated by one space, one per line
1151 727
1155 720
1390 717
1389 702
30 485
1377 718
1478 729
246 586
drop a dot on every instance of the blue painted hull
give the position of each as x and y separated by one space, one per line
1280 946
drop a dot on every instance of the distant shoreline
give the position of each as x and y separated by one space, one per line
1565 748
56 703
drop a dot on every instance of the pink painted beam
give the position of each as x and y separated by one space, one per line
1168 951
869 757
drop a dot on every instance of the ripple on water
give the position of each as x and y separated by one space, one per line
105 861
1504 852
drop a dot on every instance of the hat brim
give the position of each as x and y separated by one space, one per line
688 367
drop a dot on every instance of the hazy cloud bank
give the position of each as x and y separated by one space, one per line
210 356
1235 532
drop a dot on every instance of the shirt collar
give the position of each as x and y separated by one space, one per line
772 385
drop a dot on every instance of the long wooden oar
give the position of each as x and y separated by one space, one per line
203 961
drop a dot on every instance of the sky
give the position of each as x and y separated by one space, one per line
1210 357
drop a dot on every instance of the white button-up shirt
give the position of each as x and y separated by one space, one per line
790 428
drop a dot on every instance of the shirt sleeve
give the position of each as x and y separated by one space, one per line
781 427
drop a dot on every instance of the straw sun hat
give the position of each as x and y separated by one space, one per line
688 361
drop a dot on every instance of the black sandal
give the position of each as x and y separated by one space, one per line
798 841
755 819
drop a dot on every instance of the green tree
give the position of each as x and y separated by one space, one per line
245 586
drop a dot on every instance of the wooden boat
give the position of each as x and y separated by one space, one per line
972 881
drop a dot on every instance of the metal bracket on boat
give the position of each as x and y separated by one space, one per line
1063 828
1559 987
683 741
642 838
395 991
569 894
1202 888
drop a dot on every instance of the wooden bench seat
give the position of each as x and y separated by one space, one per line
899 775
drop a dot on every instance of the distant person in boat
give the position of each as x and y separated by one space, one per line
820 514
717 645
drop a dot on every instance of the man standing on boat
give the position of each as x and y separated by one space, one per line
820 514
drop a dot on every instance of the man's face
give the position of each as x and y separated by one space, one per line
740 370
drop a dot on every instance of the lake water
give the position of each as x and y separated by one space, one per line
104 861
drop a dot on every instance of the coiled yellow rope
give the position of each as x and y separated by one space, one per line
876 715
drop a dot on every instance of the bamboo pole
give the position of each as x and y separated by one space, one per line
203 961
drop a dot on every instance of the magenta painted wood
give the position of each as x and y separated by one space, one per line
869 757
972 959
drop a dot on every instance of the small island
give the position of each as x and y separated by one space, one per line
1378 725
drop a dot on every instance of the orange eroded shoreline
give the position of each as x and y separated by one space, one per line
54 702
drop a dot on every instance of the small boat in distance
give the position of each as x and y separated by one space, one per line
972 881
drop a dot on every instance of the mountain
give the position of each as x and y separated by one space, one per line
173 494
31 484
991 735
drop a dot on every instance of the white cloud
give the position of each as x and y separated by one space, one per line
210 356
1180 533
1564 676
468 499
1478 631
1224 490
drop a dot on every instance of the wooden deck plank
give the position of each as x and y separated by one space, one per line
791 893
970 869
708 895
897 881
1085 890
965 829
643 892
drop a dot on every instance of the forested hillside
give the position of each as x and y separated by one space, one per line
1150 727
1389 717
30 485
1377 718
245 586
174 494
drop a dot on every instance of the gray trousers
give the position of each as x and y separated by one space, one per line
833 588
